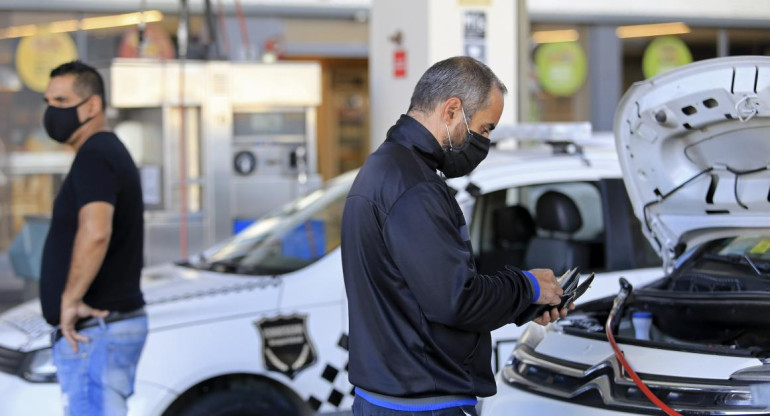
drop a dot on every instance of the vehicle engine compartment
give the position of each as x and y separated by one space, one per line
715 304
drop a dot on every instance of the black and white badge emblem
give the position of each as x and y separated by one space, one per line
286 345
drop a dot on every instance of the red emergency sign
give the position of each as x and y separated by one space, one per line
399 64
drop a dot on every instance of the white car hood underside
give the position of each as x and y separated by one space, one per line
694 147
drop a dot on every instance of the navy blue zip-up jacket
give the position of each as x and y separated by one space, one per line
420 313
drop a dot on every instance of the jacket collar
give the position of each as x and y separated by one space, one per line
411 134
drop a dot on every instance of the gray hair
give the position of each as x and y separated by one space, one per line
462 77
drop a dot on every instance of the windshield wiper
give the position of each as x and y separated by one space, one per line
235 267
753 266
733 259
740 259
222 266
262 270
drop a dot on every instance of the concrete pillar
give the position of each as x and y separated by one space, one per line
432 30
605 59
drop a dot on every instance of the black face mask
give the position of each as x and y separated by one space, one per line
61 123
460 161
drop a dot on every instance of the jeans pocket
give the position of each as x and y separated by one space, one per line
123 356
124 353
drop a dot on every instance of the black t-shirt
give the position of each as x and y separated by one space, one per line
102 171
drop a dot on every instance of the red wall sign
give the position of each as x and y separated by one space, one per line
399 64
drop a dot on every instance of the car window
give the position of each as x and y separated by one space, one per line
505 226
753 247
287 240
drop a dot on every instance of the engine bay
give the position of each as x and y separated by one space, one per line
721 304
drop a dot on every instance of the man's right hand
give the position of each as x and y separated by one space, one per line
71 312
550 291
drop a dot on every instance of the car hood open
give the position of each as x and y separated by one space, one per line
694 147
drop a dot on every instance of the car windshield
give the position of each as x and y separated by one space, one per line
290 238
751 249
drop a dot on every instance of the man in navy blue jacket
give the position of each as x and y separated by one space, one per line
420 313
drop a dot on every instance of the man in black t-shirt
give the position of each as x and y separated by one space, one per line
92 260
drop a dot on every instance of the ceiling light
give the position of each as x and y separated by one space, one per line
657 29
18 31
89 23
128 19
63 26
555 36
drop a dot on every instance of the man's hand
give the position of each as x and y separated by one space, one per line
550 294
552 315
550 291
71 313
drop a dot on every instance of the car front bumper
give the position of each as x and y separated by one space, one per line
21 397
604 386
512 401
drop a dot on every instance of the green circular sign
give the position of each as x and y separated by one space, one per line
664 53
561 68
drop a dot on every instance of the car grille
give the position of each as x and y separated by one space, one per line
11 361
606 386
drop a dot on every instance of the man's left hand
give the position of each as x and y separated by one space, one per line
552 315
71 313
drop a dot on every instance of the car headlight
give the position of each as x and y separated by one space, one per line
532 336
39 367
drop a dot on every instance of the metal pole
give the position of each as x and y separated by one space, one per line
81 40
723 43
182 39
522 49
244 30
211 25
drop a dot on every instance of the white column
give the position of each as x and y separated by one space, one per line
432 30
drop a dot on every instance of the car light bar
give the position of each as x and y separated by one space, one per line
542 132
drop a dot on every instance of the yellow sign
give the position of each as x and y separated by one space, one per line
664 53
761 247
37 55
561 68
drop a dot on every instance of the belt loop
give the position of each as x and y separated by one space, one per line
102 324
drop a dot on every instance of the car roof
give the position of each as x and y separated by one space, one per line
538 164
532 164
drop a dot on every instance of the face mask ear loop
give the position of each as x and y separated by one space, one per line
449 136
467 127
89 118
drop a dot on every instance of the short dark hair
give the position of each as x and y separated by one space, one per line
462 77
88 82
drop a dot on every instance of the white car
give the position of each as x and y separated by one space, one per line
694 146
257 324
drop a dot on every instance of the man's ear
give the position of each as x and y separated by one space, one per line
450 110
94 105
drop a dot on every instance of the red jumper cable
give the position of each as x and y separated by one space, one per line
625 291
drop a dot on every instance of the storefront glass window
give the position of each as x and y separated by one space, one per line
32 166
557 79
700 42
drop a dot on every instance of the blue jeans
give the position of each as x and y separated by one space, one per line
99 379
361 407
